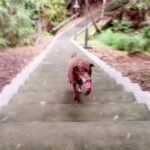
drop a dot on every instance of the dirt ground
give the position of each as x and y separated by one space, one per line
135 66
13 60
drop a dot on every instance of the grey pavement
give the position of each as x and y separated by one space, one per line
42 115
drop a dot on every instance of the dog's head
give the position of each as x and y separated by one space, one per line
84 70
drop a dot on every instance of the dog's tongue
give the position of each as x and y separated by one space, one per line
88 85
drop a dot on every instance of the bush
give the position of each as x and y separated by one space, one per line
127 42
124 26
53 10
106 37
3 42
18 19
16 25
146 35
146 32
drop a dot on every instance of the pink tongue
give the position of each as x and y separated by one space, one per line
88 85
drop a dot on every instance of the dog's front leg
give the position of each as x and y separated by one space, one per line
80 88
75 92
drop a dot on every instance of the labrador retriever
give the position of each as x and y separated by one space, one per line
79 73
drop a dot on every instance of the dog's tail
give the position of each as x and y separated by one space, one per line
73 55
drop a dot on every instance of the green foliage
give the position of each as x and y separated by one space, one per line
146 35
146 32
53 10
3 42
126 42
16 25
124 26
45 33
18 19
136 5
116 40
104 37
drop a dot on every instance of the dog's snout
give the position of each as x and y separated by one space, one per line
87 80
85 77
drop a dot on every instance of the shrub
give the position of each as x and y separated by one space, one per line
124 26
25 32
146 32
3 42
126 42
106 37
146 36
53 10
18 19
16 25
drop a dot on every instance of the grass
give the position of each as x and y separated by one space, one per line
45 34
132 41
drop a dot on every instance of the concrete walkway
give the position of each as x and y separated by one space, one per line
42 115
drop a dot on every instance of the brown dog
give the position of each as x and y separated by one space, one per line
79 73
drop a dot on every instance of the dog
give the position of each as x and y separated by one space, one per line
79 73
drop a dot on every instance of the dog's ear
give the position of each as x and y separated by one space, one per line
91 65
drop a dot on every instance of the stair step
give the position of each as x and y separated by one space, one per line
62 86
66 97
74 113
76 136
43 77
63 73
51 82
52 65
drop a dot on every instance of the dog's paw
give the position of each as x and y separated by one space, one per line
76 98
80 90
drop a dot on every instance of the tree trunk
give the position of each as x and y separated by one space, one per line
103 9
92 18
141 11
94 23
120 15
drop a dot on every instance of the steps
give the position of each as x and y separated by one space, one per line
75 136
43 116
74 113
51 97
